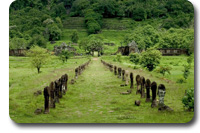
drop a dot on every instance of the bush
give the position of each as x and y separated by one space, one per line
181 81
188 99
163 70
186 71
135 58
64 56
74 37
150 58
118 58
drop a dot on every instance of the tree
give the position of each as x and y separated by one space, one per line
38 57
150 58
54 32
64 55
74 37
135 58
17 43
38 40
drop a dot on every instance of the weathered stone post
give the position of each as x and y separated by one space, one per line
79 70
127 77
111 68
66 80
131 79
52 95
138 84
46 100
57 91
161 94
60 89
76 73
123 73
119 72
63 84
115 70
153 89
142 79
148 86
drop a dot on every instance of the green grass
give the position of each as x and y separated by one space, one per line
94 98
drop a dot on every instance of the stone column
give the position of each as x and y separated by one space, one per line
52 95
153 89
127 77
148 86
123 73
138 84
142 87
119 72
63 84
46 99
66 80
79 70
60 88
115 70
57 91
161 94
131 79
76 73
111 68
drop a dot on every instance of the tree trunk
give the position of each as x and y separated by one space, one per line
38 69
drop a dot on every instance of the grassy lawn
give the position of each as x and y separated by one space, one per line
94 98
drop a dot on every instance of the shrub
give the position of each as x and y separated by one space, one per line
118 58
150 58
186 71
64 56
135 58
74 37
163 70
181 80
188 99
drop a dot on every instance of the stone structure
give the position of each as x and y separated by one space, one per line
52 95
130 48
137 102
57 88
17 52
148 86
63 46
46 100
115 70
131 79
153 89
123 73
76 73
127 77
173 51
142 81
66 78
138 84
119 72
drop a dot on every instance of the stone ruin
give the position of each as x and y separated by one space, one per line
58 49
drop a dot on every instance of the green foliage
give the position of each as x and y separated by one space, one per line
118 58
64 56
18 43
181 81
53 32
38 57
74 37
188 99
38 40
135 58
164 69
186 71
150 58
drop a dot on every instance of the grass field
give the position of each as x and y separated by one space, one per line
95 97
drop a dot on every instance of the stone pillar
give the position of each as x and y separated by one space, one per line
63 84
115 70
52 95
111 68
138 84
148 86
57 91
60 89
142 79
131 79
46 99
127 77
119 72
161 94
153 89
76 73
66 80
79 70
123 73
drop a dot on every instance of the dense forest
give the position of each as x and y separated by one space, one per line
39 21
